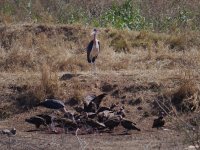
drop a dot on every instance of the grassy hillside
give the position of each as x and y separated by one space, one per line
26 47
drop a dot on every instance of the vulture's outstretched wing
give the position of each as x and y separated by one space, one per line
97 100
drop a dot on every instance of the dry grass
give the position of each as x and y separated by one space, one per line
26 47
186 98
47 87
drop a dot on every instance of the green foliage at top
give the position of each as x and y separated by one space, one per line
183 19
121 14
124 16
7 9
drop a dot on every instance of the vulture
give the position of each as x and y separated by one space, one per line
37 121
93 102
92 107
94 123
104 115
97 100
103 108
159 122
11 132
129 125
112 122
69 115
90 115
65 122
48 119
53 104
79 109
121 112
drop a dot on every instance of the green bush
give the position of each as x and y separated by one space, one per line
124 16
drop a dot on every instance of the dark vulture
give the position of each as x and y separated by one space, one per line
79 109
92 103
37 121
92 107
103 108
66 123
69 115
159 122
112 122
129 125
53 104
94 123
97 100
48 119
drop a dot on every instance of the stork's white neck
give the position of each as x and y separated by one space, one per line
95 37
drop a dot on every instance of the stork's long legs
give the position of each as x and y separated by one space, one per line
93 68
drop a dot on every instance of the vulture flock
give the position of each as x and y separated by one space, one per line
90 117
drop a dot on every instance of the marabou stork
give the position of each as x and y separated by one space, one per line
93 49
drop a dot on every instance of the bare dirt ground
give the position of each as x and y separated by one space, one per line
121 87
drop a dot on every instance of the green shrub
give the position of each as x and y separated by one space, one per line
124 16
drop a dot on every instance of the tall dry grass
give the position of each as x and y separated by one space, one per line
27 47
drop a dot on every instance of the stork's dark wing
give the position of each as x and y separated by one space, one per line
99 46
89 49
97 100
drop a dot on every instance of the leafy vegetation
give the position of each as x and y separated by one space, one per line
125 14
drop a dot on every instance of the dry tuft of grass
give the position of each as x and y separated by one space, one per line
5 112
177 42
186 98
48 87
119 42
49 82
74 64
26 47
77 93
